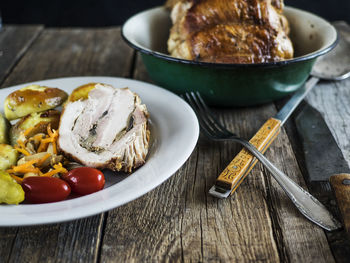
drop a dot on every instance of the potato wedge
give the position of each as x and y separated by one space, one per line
8 156
38 122
33 98
4 129
81 92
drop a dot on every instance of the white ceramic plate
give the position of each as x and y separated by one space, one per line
174 133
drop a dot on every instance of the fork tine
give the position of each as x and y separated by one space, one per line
206 121
213 117
212 120
203 124
207 124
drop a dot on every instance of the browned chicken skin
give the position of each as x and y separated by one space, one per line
229 31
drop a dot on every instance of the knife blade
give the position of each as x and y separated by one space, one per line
324 160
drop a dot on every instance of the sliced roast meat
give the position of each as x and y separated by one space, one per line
107 130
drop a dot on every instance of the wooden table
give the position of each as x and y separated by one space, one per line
179 220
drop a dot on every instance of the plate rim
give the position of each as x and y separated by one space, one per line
4 209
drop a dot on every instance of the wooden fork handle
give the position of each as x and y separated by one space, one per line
341 187
243 163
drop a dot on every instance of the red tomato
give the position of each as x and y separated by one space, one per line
85 180
45 189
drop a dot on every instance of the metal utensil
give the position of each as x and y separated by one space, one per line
231 177
324 159
308 205
335 65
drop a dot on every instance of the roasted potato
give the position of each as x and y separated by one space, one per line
38 121
4 129
8 156
81 92
33 98
10 191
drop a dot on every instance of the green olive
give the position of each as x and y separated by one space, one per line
10 191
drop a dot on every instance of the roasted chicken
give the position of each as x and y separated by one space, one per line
109 129
229 31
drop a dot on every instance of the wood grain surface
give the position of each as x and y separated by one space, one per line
178 221
14 42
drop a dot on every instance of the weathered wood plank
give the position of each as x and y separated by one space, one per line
179 221
330 98
14 41
297 239
337 240
74 52
302 240
58 53
75 241
331 101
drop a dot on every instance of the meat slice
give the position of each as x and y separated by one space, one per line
229 31
107 130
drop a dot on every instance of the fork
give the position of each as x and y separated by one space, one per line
308 205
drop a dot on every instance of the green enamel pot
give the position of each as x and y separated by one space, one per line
230 84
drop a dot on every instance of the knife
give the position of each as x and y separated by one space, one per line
324 160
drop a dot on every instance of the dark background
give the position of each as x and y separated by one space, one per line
111 12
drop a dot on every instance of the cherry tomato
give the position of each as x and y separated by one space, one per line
45 189
85 180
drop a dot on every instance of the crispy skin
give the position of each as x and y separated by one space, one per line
229 31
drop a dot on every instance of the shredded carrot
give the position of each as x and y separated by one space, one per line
50 173
17 178
54 146
32 166
60 166
38 137
27 170
44 143
48 129
27 167
28 163
21 147
51 132
27 131
21 143
42 146
47 140
43 159
21 150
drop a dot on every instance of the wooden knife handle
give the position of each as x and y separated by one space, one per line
341 186
233 175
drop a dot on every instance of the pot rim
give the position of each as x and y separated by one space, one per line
169 58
